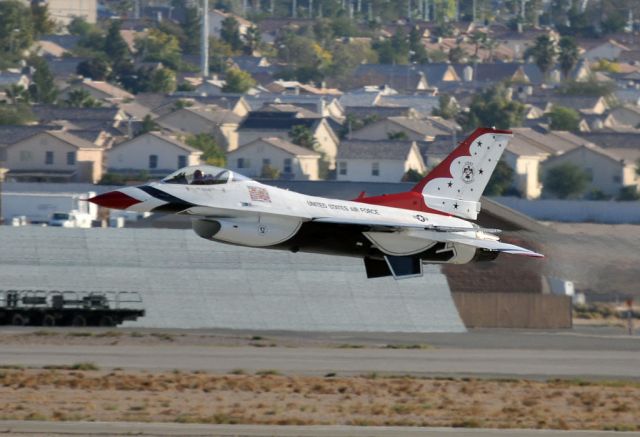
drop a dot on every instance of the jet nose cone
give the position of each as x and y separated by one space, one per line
114 200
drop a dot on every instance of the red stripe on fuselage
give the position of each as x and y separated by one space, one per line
411 200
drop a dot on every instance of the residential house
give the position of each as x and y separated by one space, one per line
264 155
524 158
63 11
53 156
267 124
292 87
160 104
99 90
406 128
325 106
527 151
609 170
154 152
610 50
216 17
377 161
9 79
405 78
423 104
84 118
627 116
221 123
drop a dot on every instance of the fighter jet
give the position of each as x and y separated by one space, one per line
393 234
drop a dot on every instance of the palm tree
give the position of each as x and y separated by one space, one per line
568 55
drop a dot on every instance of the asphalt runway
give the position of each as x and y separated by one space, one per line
586 353
36 429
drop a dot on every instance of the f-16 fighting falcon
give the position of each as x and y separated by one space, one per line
394 234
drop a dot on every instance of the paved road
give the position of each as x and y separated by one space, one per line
319 361
10 428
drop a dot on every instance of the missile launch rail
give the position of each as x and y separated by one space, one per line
68 308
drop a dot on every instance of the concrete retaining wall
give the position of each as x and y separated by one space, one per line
188 282
575 211
514 310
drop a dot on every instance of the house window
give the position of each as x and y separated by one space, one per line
153 161
287 166
71 158
243 163
617 179
265 162
48 157
375 169
589 174
25 155
342 168
182 161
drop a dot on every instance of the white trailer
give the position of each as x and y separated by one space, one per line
39 207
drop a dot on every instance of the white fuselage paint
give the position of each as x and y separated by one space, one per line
278 214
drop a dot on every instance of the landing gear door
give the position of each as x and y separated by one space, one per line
403 267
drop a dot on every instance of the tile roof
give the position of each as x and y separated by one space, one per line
74 140
107 88
166 138
615 140
276 121
215 114
10 134
284 145
365 149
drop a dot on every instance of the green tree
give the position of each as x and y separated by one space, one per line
238 81
191 29
412 176
115 46
566 181
628 193
568 55
269 172
564 119
158 46
447 107
501 180
16 27
230 33
543 53
397 136
492 107
253 38
15 114
148 125
42 22
589 88
43 88
457 55
81 98
163 80
417 49
81 27
94 68
213 154
303 137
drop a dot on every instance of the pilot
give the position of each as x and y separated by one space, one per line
197 178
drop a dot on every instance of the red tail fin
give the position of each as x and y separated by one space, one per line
456 184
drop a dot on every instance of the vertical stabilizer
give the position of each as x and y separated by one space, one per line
456 184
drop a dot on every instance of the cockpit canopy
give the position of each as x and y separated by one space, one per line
203 175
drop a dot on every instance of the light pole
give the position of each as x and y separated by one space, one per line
2 172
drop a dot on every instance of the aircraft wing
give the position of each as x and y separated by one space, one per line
444 234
